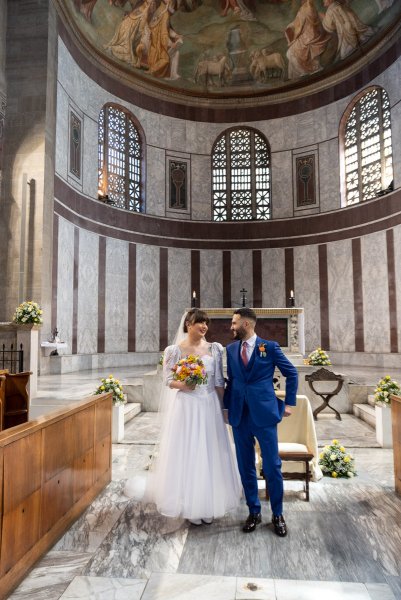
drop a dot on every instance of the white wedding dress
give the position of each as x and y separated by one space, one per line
195 473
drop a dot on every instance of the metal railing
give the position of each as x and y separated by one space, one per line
11 359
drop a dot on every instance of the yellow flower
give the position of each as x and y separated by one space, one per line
334 474
321 455
102 387
335 442
347 459
342 448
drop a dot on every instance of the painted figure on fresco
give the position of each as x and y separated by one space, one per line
86 7
340 19
164 43
240 8
131 40
383 4
307 41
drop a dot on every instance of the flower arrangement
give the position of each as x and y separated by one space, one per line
318 357
28 313
111 384
190 370
161 360
336 462
385 388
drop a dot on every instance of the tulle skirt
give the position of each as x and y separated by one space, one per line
195 473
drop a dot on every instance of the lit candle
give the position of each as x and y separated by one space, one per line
292 294
194 294
193 299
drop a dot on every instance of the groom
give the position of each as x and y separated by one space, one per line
254 411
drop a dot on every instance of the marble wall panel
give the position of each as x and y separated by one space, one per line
241 276
147 298
329 169
341 296
65 281
116 297
397 260
179 287
211 278
88 272
281 185
375 292
273 278
155 181
307 292
62 147
201 188
90 131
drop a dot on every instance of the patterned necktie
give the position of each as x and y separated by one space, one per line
244 354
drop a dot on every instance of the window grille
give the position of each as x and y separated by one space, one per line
241 176
368 148
120 154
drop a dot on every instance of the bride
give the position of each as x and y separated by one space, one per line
195 473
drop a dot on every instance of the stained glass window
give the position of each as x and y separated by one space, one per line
241 176
120 154
367 147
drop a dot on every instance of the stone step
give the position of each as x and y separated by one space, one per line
358 393
366 413
131 410
371 400
134 390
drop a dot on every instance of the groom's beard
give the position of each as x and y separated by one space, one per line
239 334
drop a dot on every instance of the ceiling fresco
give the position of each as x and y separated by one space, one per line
232 47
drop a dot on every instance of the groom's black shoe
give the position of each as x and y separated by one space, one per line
251 522
280 528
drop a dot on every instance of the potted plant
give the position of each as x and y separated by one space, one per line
383 392
318 357
111 384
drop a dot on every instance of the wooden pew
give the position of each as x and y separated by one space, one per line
16 401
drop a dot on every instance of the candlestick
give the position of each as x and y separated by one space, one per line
243 292
292 299
193 299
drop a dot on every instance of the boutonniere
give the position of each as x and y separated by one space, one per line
262 349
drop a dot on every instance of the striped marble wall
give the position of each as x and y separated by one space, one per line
114 296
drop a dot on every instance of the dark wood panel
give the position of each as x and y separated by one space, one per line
22 469
396 424
57 498
102 457
58 447
274 329
103 419
83 474
84 428
20 530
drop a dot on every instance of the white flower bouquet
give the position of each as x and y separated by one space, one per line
336 462
318 357
385 388
28 313
111 384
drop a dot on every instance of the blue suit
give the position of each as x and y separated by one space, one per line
254 411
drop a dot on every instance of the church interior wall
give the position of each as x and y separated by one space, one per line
314 131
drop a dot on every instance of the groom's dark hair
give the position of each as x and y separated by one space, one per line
246 313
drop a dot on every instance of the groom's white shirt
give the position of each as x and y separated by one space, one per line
250 345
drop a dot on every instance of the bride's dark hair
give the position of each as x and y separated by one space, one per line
195 315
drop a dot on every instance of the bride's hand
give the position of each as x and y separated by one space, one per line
185 387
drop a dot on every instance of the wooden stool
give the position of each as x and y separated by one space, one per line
301 457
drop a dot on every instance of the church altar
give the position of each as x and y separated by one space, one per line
282 325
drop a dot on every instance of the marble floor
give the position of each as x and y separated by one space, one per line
343 544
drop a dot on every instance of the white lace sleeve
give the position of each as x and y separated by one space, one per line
218 350
170 358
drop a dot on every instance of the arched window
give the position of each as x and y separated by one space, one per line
120 159
365 134
241 176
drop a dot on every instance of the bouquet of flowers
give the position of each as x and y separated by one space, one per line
336 462
191 370
110 384
318 357
385 388
28 312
